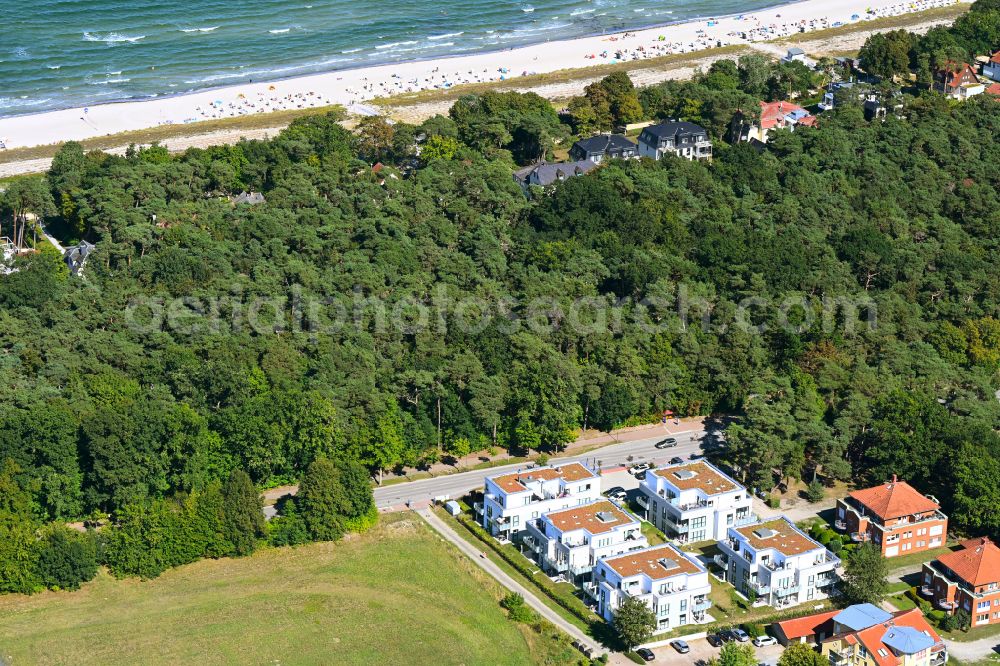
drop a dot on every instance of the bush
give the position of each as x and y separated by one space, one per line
835 545
814 492
774 502
66 559
754 630
517 609
542 459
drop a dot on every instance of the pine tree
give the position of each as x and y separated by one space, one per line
323 501
243 517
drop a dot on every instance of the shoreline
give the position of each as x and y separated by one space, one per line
390 63
356 89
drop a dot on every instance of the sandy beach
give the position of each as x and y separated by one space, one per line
352 88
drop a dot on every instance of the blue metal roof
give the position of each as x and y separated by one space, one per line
861 616
907 640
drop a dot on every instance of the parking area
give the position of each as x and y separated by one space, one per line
701 652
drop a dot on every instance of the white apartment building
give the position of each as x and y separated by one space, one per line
694 501
670 582
571 541
777 563
511 500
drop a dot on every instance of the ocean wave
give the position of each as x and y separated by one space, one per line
581 12
382 47
351 50
55 66
446 36
280 32
111 38
527 10
109 81
212 29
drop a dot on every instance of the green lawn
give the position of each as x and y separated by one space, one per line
654 536
397 594
914 560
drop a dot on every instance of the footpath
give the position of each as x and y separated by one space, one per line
487 565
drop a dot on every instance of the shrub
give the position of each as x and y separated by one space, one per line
754 630
542 459
66 559
517 609
774 502
835 545
814 492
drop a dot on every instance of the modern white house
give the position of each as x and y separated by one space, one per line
571 541
670 582
511 500
776 563
694 501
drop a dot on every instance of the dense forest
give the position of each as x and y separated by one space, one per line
387 315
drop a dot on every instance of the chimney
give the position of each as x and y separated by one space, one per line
893 479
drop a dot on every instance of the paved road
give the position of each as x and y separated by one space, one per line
456 485
487 565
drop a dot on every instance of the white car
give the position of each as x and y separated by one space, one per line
764 641
640 467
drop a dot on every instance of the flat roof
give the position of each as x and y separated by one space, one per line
657 562
698 475
778 534
515 482
587 517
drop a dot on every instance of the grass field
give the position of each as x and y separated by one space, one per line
397 594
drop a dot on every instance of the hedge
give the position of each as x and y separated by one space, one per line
526 569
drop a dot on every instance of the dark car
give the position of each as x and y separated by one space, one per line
680 646
615 490
667 443
728 636
676 461
714 640
646 654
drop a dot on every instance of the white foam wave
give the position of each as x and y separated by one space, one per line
111 38
212 29
381 47
351 50
527 10
446 36
581 12
280 32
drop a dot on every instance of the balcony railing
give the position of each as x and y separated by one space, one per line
579 570
700 606
722 561
786 591
748 519
557 565
478 507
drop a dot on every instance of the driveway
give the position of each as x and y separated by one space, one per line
974 651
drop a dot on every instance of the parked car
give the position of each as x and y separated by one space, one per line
715 640
676 461
646 654
667 443
695 456
618 496
727 636
614 490
680 646
639 467
740 635
764 641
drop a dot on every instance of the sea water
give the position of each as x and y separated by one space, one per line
65 53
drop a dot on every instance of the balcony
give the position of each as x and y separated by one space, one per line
786 591
560 566
837 659
701 606
579 570
759 588
721 561
747 519
947 605
840 525
860 536
478 507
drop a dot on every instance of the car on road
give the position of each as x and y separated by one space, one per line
646 654
667 443
676 460
639 467
680 646
764 641
740 635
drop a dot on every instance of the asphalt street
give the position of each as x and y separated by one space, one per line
612 456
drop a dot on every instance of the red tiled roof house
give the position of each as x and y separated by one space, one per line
894 516
957 80
968 579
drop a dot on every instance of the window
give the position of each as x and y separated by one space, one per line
983 605
684 605
985 617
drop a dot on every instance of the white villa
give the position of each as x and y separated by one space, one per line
571 541
694 501
776 563
510 501
670 582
